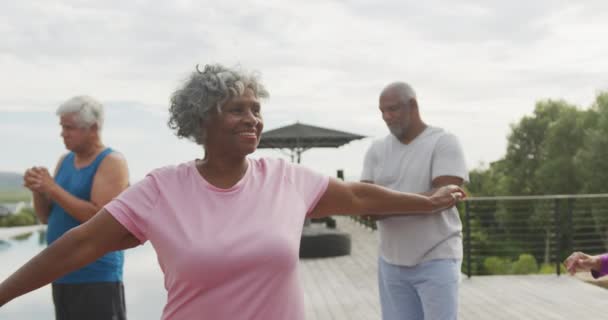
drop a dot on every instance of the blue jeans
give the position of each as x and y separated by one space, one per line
425 291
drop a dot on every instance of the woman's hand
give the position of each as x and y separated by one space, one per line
446 197
579 261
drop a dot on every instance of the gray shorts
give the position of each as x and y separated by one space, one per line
91 301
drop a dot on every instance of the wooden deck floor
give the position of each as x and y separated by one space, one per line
345 288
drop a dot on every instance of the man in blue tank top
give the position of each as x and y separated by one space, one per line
85 179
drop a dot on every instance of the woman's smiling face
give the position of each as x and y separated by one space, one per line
237 128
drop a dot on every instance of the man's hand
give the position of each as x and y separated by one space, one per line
31 178
38 179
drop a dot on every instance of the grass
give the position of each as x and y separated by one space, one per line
15 195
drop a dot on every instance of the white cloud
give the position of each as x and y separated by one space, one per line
477 66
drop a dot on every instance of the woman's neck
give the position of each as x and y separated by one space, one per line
222 173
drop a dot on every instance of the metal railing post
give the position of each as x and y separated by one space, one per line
570 225
558 235
467 237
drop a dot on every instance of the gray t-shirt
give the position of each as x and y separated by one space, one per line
410 240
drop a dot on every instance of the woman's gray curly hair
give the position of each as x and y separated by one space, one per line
204 90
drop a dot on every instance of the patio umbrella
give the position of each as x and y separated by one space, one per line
300 137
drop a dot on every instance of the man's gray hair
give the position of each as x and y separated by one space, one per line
88 110
405 90
204 90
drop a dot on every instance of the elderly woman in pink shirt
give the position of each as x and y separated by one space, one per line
226 228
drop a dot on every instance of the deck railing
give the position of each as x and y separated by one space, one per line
529 234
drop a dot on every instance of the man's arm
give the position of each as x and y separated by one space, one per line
42 206
448 165
111 178
443 181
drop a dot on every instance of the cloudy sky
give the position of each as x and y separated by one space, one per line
477 66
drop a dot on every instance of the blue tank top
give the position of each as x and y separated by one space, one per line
79 182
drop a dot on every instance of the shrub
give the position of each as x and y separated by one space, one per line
526 264
549 268
497 265
24 218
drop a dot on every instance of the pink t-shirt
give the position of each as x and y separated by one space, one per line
225 253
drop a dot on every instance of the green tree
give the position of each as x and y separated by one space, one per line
487 182
592 164
539 148
559 149
591 159
563 139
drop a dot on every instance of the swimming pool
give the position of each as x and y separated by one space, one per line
144 289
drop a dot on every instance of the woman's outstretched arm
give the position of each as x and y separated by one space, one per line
75 249
358 198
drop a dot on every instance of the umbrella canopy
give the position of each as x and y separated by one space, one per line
300 137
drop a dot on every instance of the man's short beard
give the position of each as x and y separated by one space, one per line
398 132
